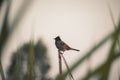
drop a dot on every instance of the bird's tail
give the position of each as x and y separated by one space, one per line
75 49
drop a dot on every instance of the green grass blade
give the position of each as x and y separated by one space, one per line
113 21
31 62
1 71
105 67
4 36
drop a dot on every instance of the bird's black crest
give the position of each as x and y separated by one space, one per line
57 38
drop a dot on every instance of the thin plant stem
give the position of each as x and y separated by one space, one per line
60 64
67 67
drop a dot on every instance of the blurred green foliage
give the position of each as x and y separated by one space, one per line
30 62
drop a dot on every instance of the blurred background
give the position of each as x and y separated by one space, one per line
28 29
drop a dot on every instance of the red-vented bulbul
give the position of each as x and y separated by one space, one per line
62 46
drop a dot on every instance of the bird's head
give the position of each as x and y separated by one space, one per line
57 38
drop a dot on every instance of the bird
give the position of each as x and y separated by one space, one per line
62 46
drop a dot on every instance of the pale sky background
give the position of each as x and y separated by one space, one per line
80 23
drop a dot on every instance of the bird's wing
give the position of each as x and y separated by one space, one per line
65 45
